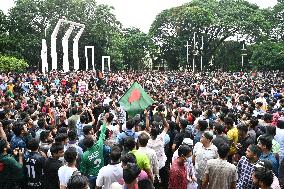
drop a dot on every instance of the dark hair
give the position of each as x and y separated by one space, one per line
267 117
18 127
72 135
56 147
33 144
271 130
208 135
145 184
264 175
115 153
266 141
183 150
60 137
130 173
63 130
88 141
183 123
41 123
130 124
110 118
143 139
223 150
129 143
242 127
78 182
255 149
280 124
219 129
154 132
254 122
229 121
203 124
87 129
128 158
3 144
44 135
70 154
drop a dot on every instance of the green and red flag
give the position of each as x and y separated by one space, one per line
135 100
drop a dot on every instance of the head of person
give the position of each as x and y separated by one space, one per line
70 155
4 146
129 143
267 118
110 118
88 141
184 152
33 145
206 138
183 123
253 152
115 154
61 138
57 150
78 182
219 129
41 123
223 150
143 139
88 130
280 123
229 122
202 125
262 175
19 128
270 130
72 135
242 130
130 174
253 122
265 143
46 136
128 158
130 124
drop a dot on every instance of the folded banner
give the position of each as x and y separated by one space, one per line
135 100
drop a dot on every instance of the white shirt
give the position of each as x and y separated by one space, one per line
158 146
108 175
152 157
64 174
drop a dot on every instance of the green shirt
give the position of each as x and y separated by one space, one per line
142 159
10 169
93 158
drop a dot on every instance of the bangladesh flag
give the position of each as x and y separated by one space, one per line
135 100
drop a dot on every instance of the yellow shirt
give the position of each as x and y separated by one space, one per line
233 136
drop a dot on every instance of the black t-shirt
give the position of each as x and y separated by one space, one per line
51 179
249 140
220 140
33 169
180 136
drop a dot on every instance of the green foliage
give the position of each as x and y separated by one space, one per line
9 63
268 56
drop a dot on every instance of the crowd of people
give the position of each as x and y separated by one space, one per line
215 130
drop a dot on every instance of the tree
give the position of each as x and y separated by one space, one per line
9 63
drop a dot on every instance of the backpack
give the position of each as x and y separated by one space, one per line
121 142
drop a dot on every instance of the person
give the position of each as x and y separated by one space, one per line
202 152
245 167
66 171
130 174
265 144
142 141
268 165
262 177
112 172
33 166
232 133
52 165
221 137
142 159
219 173
244 140
93 159
178 173
279 138
78 182
19 140
127 133
11 171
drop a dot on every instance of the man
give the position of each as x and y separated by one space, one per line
232 133
66 171
21 136
11 171
265 144
279 138
202 152
219 173
128 133
142 159
221 137
262 177
143 139
244 140
178 173
112 172
245 167
52 165
93 159
33 166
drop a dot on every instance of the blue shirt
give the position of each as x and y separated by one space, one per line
270 157
17 142
127 133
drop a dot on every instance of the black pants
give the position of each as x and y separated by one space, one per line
164 175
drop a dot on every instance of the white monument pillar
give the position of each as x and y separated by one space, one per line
53 44
65 48
75 47
44 64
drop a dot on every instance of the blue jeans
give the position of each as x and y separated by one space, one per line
92 182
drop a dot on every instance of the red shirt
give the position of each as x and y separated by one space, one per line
178 178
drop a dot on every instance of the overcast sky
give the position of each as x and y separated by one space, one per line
141 13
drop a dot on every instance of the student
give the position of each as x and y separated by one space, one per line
78 182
